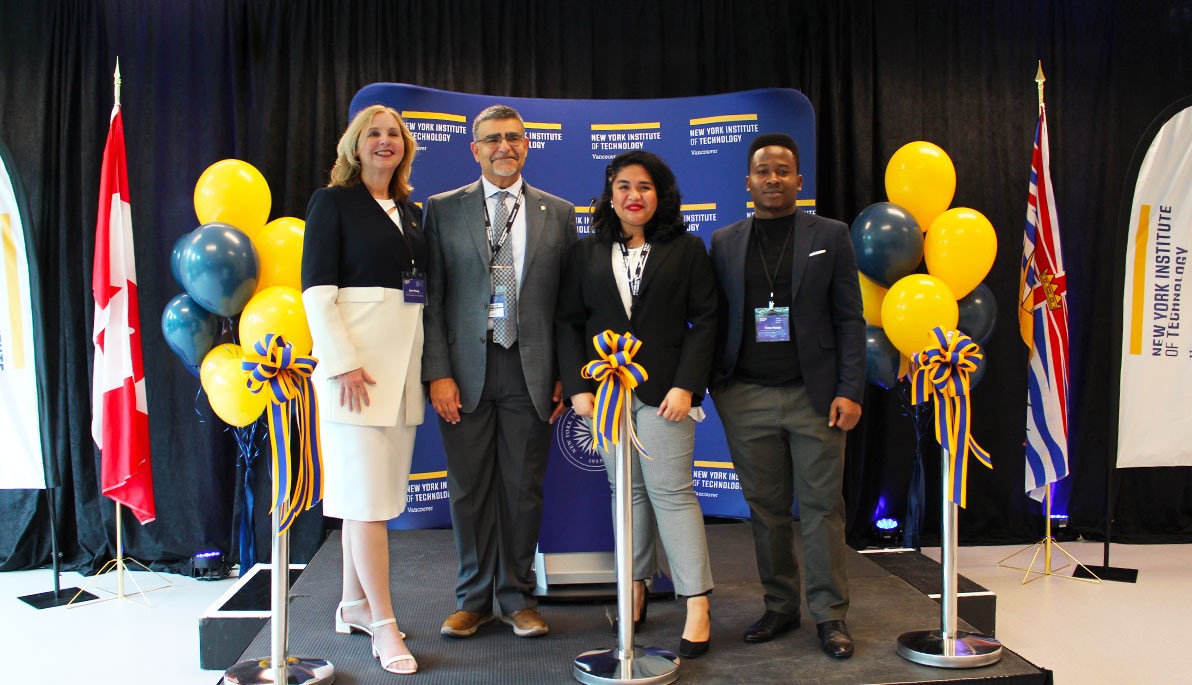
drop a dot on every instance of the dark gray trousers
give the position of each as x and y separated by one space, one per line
496 462
782 448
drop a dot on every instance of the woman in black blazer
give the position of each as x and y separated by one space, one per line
641 272
364 287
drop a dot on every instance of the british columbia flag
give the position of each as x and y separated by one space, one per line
1043 321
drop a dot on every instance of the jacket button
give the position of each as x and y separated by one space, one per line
482 340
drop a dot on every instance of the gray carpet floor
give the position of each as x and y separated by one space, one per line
423 574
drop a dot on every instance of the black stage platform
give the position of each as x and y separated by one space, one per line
883 606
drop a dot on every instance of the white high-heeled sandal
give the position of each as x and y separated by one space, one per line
343 627
386 663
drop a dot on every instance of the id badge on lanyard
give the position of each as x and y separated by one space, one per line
772 324
413 286
496 306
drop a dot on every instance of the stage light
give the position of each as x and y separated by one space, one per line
887 532
209 566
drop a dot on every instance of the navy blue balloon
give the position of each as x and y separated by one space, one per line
189 330
881 358
219 268
888 243
978 314
176 258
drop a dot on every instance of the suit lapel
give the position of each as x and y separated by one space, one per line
535 209
471 209
737 246
659 252
804 238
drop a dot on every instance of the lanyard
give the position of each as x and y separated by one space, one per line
634 277
761 253
495 245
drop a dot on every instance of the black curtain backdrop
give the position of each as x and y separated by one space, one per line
269 82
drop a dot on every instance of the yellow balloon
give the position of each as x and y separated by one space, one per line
872 295
960 248
233 192
226 385
279 245
276 310
921 179
913 306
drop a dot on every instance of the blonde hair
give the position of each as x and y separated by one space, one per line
346 171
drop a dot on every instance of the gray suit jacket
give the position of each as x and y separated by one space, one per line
456 317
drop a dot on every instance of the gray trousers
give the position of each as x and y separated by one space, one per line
664 501
781 447
496 462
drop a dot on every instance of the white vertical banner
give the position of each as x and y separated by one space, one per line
20 422
1154 422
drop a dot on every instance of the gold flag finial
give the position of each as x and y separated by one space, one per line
116 83
1039 79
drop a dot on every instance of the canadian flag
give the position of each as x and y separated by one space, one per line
119 411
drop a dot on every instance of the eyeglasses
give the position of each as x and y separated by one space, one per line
495 138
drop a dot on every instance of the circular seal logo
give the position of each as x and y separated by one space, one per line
574 438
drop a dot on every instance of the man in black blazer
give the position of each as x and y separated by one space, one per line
496 250
788 383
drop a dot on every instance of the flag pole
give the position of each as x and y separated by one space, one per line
120 562
1048 543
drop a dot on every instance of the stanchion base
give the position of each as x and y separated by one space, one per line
299 671
651 666
966 650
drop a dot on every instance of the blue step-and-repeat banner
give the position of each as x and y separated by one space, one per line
705 140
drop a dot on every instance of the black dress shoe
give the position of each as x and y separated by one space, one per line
834 637
693 650
771 625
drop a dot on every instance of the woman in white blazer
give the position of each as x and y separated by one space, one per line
364 287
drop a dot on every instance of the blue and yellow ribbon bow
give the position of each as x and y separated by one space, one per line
618 375
943 370
285 376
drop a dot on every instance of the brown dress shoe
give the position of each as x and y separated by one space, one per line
464 623
526 623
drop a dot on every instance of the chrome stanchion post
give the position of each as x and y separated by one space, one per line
627 663
948 647
279 667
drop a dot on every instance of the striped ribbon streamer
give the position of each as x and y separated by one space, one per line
943 370
285 376
618 375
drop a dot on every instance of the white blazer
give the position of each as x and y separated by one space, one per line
373 328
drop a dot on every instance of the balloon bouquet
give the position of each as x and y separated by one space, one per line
901 303
235 264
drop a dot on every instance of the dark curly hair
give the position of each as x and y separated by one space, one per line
667 222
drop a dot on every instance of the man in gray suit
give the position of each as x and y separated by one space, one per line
496 248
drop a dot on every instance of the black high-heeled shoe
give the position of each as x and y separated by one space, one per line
689 649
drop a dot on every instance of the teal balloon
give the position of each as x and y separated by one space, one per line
978 314
176 258
881 358
888 243
189 330
219 268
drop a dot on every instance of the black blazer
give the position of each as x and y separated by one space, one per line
674 317
826 310
351 243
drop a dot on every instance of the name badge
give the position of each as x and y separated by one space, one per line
413 287
772 324
496 306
